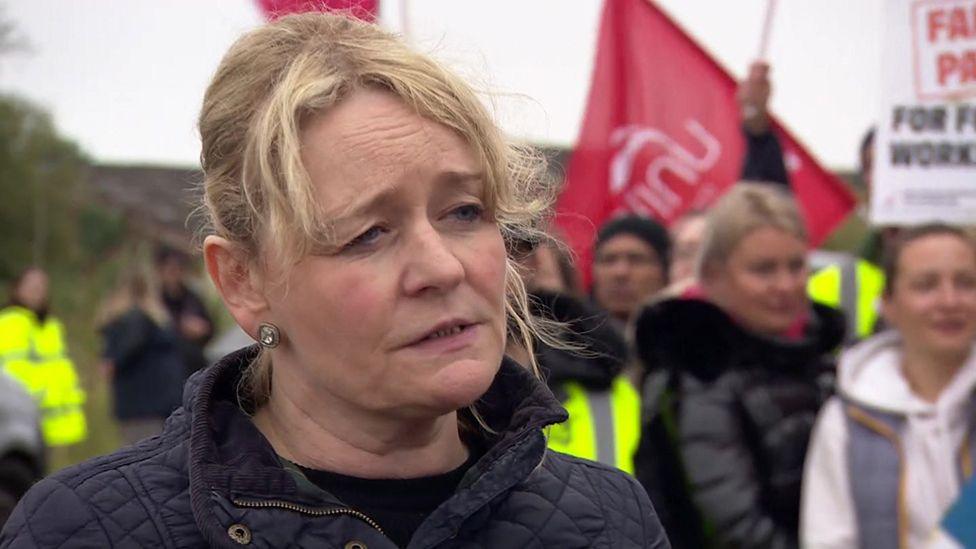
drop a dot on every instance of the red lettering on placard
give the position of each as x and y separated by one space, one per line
947 64
961 66
953 24
936 22
960 25
944 48
969 66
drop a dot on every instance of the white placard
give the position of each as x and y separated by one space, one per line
925 148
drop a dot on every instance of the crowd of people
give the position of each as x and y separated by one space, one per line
430 370
153 329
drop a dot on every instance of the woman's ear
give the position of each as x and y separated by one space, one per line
240 289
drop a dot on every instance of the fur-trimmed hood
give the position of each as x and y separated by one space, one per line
699 337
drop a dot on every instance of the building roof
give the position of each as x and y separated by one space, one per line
160 200
156 200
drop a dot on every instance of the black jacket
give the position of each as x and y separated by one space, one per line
763 160
188 303
212 479
604 351
148 376
740 410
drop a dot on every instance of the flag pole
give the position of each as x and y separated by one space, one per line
766 30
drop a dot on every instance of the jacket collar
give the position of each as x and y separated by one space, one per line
35 317
664 329
230 459
870 375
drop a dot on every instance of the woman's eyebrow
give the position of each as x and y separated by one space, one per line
361 204
373 199
452 177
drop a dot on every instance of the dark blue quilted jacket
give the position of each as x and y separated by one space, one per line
211 479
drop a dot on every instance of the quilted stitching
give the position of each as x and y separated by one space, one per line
592 506
565 503
140 497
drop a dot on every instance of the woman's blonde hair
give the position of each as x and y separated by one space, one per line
137 287
257 193
742 210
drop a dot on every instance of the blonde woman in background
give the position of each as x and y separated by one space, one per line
745 358
141 357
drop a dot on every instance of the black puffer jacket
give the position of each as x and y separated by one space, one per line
737 416
212 479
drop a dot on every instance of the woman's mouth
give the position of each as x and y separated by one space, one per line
949 327
446 340
445 332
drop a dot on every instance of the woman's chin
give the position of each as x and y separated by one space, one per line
463 383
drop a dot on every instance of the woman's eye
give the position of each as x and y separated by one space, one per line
468 212
966 282
924 284
370 236
765 268
797 265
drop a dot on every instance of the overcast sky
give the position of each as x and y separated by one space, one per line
125 77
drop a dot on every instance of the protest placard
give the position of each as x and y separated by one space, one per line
925 149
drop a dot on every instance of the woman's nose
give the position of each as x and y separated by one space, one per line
431 262
789 282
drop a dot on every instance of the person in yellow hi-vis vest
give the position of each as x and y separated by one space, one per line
854 286
32 351
603 405
603 425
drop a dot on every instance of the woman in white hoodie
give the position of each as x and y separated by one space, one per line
890 451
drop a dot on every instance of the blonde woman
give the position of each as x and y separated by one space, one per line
741 358
141 357
360 201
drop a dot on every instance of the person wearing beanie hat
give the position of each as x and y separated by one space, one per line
630 264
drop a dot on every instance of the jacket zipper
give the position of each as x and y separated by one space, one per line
304 509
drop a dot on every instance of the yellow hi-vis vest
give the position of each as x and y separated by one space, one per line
34 354
854 287
603 426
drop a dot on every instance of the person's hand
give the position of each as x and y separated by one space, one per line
753 96
193 326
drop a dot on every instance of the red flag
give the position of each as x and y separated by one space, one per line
363 9
662 134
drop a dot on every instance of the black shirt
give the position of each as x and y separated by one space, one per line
399 506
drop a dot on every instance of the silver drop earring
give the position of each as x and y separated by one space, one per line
268 335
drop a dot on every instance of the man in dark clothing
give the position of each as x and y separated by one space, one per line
764 155
189 316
